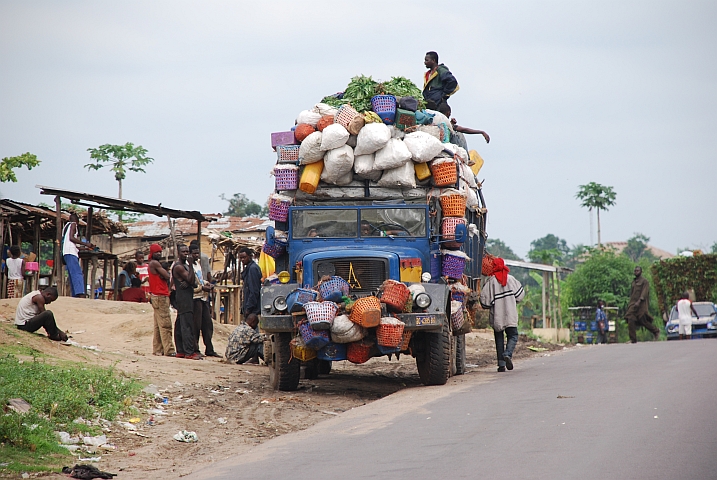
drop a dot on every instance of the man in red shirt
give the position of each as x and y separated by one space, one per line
135 292
159 297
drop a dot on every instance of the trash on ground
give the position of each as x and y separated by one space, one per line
187 437
222 420
537 349
87 472
135 420
68 439
95 441
89 459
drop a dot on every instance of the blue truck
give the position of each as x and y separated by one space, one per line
367 235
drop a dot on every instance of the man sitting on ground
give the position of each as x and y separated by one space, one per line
135 293
31 314
246 344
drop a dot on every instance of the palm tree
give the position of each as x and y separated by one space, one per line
599 197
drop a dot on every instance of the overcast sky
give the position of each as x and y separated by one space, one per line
619 93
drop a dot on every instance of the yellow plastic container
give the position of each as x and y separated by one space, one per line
310 177
422 170
478 161
411 270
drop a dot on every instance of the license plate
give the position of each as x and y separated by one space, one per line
426 320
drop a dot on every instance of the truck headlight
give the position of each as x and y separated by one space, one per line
280 303
422 300
426 277
711 326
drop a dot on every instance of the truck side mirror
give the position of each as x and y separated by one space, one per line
271 236
461 233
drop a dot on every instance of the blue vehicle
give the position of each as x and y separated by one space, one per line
366 242
704 326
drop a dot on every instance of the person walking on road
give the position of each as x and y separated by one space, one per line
162 343
685 309
601 321
637 308
501 294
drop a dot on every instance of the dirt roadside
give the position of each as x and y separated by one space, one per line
230 407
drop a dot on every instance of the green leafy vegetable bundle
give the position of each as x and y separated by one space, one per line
361 89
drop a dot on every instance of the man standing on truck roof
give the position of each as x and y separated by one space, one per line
637 309
500 294
439 83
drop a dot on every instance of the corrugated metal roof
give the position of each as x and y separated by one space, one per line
184 226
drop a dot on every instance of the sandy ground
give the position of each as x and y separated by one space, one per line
230 407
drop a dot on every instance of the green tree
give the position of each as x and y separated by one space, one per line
548 250
604 276
638 249
496 246
241 206
599 197
9 164
121 158
713 249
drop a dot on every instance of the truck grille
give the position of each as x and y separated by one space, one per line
367 276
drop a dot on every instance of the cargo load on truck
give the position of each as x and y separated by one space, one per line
379 236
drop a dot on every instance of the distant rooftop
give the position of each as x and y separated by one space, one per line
658 252
185 226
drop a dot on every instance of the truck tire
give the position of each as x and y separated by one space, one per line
460 354
434 365
324 367
284 370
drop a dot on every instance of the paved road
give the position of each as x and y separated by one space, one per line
603 412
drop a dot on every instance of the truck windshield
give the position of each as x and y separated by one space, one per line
327 223
401 222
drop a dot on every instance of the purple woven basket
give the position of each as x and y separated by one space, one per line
385 107
334 288
453 266
458 296
287 153
457 319
279 209
286 178
315 339
276 250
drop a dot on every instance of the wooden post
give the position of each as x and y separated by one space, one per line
199 241
542 298
57 270
104 277
36 241
115 295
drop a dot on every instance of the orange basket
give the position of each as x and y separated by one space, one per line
406 339
345 115
389 332
453 205
487 267
395 295
444 173
366 312
358 352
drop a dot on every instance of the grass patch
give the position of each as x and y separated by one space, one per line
58 394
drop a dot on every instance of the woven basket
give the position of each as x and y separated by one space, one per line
488 264
448 230
315 339
333 352
457 318
385 107
389 332
334 288
453 205
395 295
366 312
287 153
321 314
406 339
458 296
279 208
300 351
345 115
274 251
444 173
453 266
295 300
286 178
358 352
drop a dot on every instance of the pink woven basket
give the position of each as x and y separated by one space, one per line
345 115
287 153
321 314
457 318
279 208
286 178
448 230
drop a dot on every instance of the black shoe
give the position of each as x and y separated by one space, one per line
501 369
508 362
212 354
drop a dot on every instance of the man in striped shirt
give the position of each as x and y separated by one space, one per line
501 294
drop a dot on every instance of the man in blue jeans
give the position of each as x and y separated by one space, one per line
71 243
500 294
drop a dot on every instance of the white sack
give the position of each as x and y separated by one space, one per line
308 116
431 129
343 330
334 136
439 118
346 179
401 177
456 150
393 155
363 166
423 146
396 132
325 109
310 149
468 176
371 138
337 163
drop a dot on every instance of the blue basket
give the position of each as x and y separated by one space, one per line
295 300
385 107
316 339
593 326
333 352
333 289
588 339
387 350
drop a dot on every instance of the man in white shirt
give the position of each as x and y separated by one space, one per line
685 310
31 314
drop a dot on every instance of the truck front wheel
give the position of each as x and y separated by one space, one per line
284 370
434 362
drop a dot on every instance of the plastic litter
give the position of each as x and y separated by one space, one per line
187 437
68 439
95 441
222 420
